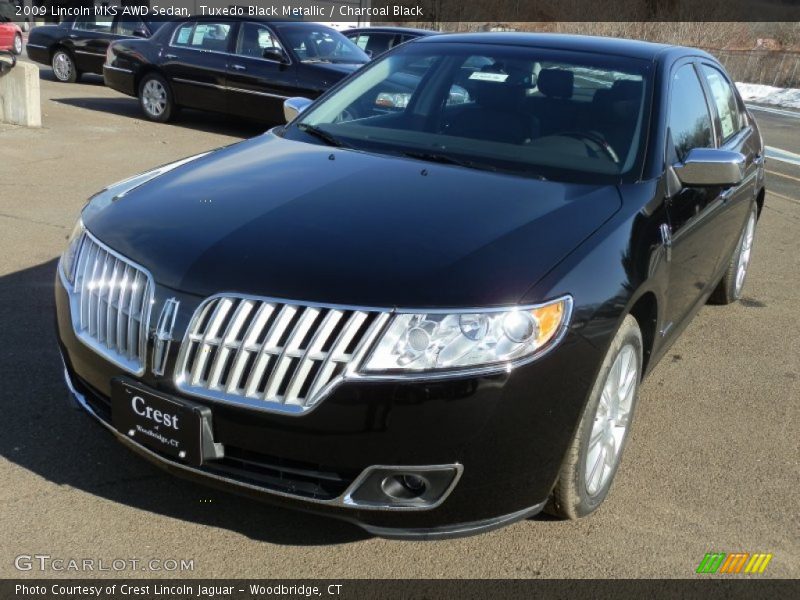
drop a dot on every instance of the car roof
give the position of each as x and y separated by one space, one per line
406 30
579 43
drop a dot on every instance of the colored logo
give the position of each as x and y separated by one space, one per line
737 562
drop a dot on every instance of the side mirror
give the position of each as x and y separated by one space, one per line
711 167
294 106
275 54
140 32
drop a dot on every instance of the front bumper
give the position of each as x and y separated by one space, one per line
508 433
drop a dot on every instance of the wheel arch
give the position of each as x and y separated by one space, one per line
147 70
760 201
59 46
645 310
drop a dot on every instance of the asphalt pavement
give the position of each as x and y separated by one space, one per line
712 464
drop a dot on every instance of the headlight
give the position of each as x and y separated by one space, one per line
489 340
116 191
71 253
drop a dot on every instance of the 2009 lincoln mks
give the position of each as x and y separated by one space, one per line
424 315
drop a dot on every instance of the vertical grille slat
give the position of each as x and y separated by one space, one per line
272 355
246 348
110 301
231 333
269 348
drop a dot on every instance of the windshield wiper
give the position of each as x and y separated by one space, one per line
446 159
321 134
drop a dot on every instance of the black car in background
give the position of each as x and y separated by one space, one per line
433 319
78 45
243 67
377 40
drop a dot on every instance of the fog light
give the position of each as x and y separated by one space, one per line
409 488
404 486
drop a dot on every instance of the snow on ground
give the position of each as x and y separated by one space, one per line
766 94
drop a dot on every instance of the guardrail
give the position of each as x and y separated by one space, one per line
7 61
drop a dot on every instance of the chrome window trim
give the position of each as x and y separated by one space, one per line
94 345
338 501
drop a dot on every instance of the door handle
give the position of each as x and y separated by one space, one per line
73 35
758 160
239 67
170 56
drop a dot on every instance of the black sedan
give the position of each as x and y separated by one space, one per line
78 45
377 40
430 320
243 67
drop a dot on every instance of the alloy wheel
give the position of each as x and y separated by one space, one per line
62 66
745 250
154 98
611 420
17 44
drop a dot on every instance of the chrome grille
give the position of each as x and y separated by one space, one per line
110 304
272 355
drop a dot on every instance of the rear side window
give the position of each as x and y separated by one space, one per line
131 26
725 100
99 23
689 119
203 36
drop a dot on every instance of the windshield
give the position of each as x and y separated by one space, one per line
321 44
544 113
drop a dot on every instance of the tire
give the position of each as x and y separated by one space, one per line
16 47
581 488
64 67
730 287
156 99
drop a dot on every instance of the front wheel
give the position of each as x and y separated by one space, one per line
64 67
730 286
155 97
594 455
17 47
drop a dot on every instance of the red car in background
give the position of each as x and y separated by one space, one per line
10 33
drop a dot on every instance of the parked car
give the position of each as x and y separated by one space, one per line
78 45
377 40
243 67
429 321
10 33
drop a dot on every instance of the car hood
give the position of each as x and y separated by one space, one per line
302 221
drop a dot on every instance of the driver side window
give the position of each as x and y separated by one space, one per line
689 119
